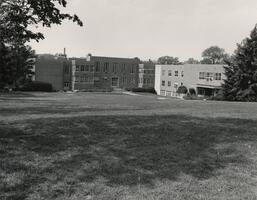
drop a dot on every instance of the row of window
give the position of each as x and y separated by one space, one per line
90 79
146 71
210 75
176 73
169 84
146 81
106 68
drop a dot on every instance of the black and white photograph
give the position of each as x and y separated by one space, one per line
128 100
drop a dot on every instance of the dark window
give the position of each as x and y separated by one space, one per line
82 68
87 68
97 67
106 67
77 68
91 68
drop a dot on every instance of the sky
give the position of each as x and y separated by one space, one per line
149 29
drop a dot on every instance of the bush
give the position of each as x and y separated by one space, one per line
148 90
37 86
192 91
182 89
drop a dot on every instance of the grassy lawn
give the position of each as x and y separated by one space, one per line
102 146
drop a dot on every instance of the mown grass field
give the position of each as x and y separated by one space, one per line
114 146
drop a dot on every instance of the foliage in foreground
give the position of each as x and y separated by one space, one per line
241 72
16 19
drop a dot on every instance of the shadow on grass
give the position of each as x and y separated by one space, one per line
124 150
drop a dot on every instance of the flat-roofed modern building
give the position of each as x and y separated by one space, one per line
90 73
146 75
206 80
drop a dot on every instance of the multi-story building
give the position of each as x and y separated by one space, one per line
146 75
89 73
50 69
206 80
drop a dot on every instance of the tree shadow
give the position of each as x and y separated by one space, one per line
124 150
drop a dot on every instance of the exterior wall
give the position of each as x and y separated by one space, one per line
104 72
167 81
49 69
146 75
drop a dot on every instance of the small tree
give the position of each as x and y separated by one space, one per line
241 72
182 89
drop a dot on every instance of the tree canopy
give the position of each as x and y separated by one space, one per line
17 16
241 72
214 55
16 19
192 61
168 60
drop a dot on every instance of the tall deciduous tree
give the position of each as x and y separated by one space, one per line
214 55
16 19
192 61
168 60
241 72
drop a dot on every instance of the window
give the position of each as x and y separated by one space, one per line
169 83
201 75
87 68
82 68
106 67
77 68
66 69
176 73
169 73
66 84
124 67
163 72
182 73
91 68
182 84
114 68
217 76
81 78
163 83
76 78
132 69
144 80
97 67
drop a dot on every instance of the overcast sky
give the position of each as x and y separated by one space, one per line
151 28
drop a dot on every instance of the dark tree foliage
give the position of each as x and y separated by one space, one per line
16 19
214 55
169 60
192 61
15 64
241 72
17 15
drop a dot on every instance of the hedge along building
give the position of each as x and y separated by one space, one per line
91 73
206 80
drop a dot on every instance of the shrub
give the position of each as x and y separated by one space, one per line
148 90
37 86
182 90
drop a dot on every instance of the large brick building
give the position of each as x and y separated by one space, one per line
89 73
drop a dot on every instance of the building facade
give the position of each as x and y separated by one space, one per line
50 69
90 73
146 75
206 80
